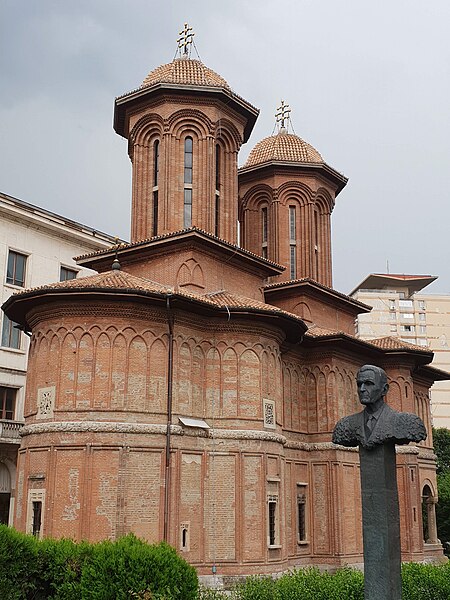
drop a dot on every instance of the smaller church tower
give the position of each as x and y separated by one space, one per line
184 127
286 196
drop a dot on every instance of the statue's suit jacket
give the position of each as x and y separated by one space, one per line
391 426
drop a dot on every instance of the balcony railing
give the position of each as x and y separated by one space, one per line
10 430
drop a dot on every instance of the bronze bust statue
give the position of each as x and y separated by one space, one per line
378 423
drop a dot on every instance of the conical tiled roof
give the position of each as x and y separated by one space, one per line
185 71
283 147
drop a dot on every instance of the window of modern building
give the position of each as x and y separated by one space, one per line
407 316
422 304
188 165
391 304
292 243
10 334
422 317
217 193
65 274
7 403
264 230
408 304
393 328
409 328
422 328
392 316
155 186
15 273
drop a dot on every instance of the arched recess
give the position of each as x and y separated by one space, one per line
146 129
228 134
429 525
66 396
229 383
136 372
190 120
303 311
190 273
102 369
183 398
249 385
256 218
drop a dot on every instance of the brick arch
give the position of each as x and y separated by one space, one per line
102 362
136 370
66 395
190 120
249 384
228 135
145 129
119 358
324 201
256 196
291 191
190 272
157 379
303 311
229 383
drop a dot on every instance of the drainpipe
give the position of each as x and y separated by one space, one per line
169 419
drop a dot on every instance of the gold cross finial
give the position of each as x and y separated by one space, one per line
282 113
185 39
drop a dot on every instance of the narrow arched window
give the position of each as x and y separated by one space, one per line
155 186
188 163
264 230
316 243
217 193
292 243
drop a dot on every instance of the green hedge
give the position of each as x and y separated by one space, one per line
64 570
419 582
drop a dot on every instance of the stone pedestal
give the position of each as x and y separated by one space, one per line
381 523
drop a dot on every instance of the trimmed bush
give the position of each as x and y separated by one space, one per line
64 570
425 582
116 569
19 576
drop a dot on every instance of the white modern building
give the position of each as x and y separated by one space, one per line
36 247
401 309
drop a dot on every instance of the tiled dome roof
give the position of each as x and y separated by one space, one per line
185 71
285 147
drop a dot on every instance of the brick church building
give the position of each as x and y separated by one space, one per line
188 391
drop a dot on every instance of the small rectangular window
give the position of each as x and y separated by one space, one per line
272 505
7 403
66 274
10 334
15 273
301 513
37 518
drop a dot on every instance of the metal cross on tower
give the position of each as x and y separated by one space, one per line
185 39
282 113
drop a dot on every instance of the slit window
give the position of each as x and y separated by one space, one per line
273 518
264 224
217 193
37 518
155 187
292 243
188 164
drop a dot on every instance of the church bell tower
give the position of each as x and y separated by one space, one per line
184 127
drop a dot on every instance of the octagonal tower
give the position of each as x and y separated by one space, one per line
287 193
184 127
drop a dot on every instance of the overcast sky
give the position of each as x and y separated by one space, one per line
368 83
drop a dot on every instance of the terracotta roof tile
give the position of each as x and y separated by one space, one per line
393 343
285 147
173 234
185 71
121 280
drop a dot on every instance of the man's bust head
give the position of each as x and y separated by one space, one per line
372 387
